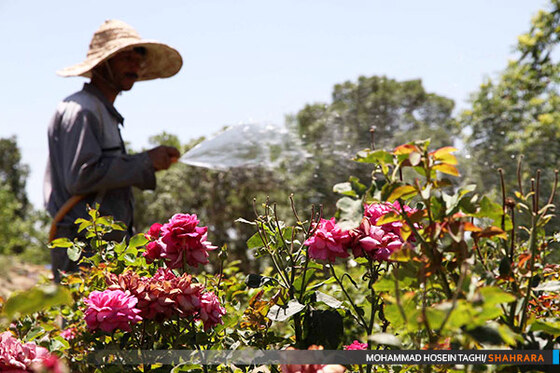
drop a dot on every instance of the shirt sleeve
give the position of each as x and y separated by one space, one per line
88 169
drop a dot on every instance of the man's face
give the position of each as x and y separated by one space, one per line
125 68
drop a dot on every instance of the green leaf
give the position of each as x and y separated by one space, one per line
74 253
36 299
137 240
550 327
493 295
385 339
345 189
60 242
58 344
277 313
328 300
350 212
255 242
403 191
377 157
549 286
384 284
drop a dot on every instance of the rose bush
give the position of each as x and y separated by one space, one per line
409 261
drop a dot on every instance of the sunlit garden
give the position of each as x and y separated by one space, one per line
399 226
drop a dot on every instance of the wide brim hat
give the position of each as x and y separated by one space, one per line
162 61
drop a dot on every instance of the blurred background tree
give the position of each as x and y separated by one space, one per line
519 111
22 228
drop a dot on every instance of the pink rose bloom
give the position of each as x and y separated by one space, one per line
328 242
379 243
187 296
376 210
68 334
110 310
182 240
153 251
356 345
18 357
155 232
211 311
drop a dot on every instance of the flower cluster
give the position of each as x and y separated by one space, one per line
110 310
356 345
178 241
379 241
18 357
329 241
164 295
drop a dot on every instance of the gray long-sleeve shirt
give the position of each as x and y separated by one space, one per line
87 157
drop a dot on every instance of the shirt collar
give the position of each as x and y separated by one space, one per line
90 88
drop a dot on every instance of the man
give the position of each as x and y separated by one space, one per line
88 162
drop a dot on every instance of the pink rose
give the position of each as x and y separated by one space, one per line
153 251
155 232
356 345
18 357
183 241
328 241
211 311
68 334
110 310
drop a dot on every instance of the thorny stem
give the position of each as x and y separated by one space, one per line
533 197
266 243
361 320
503 185
519 183
533 251
537 190
512 246
553 192
303 284
455 297
424 316
292 204
397 294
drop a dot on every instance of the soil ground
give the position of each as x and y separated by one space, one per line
15 275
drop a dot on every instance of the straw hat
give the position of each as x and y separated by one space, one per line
115 36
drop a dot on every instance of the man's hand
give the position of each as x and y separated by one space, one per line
163 156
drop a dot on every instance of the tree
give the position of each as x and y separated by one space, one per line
333 133
519 112
22 229
13 173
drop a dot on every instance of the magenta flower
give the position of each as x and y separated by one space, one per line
328 242
211 311
153 251
18 357
183 241
69 333
110 310
376 210
155 232
379 241
356 345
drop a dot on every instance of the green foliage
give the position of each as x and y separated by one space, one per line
21 228
517 112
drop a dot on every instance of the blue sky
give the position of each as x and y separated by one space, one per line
246 60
